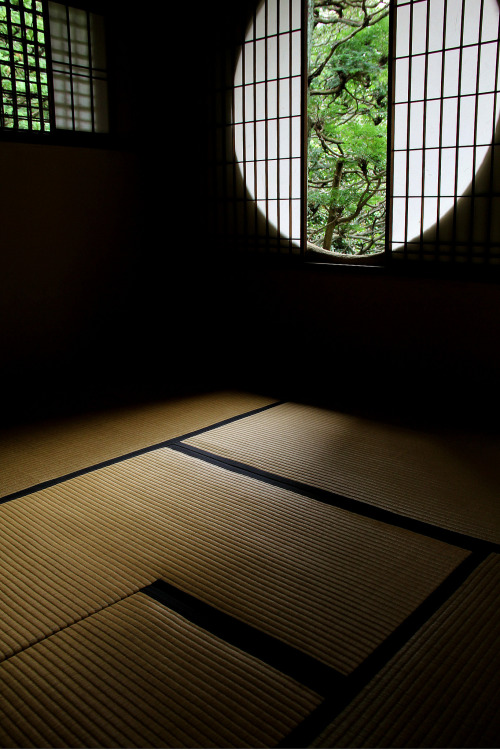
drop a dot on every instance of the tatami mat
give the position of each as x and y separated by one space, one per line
319 578
443 688
34 454
139 675
247 574
449 480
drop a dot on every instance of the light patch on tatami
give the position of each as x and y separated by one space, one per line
36 453
319 578
450 480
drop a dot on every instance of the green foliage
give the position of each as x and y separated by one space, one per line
23 78
347 116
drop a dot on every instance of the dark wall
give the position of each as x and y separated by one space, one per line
101 292
66 225
370 342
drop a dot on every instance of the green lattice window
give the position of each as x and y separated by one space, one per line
23 66
53 70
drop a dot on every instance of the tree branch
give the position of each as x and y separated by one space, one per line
368 20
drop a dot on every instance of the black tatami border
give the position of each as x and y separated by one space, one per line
302 667
339 699
337 690
132 454
359 507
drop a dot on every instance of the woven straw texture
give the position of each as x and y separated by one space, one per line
443 688
89 659
450 480
34 454
318 578
147 678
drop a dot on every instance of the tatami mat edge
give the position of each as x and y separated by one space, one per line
449 480
322 579
42 453
140 675
443 688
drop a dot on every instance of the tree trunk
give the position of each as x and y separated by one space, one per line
334 211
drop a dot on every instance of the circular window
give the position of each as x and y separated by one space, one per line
445 109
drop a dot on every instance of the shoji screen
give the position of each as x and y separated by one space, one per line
79 74
445 188
259 153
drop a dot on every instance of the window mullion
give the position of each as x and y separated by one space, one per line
12 67
390 136
303 123
48 58
26 66
91 77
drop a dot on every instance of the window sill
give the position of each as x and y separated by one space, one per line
317 254
60 138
